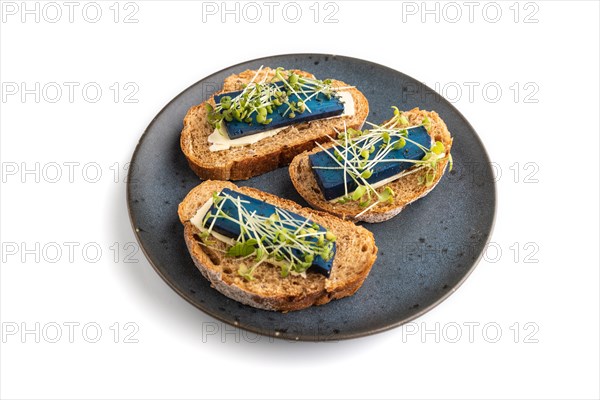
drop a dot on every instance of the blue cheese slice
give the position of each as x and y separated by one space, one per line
219 140
331 181
320 107
228 231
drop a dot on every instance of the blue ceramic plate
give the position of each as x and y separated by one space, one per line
425 253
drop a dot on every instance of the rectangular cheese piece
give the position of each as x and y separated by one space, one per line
232 229
331 181
320 107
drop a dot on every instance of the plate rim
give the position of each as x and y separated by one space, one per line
300 337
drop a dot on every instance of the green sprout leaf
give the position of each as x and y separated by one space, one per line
400 143
367 173
242 249
386 137
353 133
285 270
245 272
429 177
359 192
260 254
438 147
387 195
426 123
403 120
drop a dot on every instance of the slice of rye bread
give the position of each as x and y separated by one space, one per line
244 162
355 254
407 189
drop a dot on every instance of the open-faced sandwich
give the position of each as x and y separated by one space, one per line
262 119
371 175
271 253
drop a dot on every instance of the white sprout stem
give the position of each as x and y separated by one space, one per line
345 163
367 209
383 127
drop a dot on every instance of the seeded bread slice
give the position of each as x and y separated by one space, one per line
244 162
407 189
355 254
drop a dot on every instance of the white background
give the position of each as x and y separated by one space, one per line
542 292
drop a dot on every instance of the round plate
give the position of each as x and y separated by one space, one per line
425 253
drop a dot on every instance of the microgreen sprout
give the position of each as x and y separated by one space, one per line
354 150
281 238
261 98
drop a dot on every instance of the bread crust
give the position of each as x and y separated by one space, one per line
407 189
244 162
355 254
